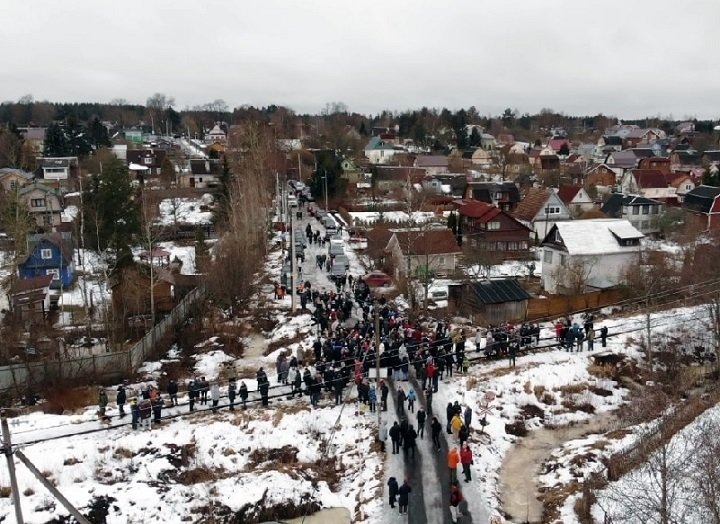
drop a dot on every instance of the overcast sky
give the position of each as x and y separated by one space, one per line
629 58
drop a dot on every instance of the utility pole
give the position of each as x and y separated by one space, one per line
293 264
376 318
7 448
326 192
52 489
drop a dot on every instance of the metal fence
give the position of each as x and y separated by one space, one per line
107 366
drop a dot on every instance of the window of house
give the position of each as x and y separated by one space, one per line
548 256
493 226
563 259
498 196
655 210
148 160
557 238
636 210
552 210
441 260
645 209
643 225
512 246
13 185
45 254
523 245
54 272
37 202
688 187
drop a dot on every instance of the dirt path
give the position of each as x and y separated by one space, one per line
518 483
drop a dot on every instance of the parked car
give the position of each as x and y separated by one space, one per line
343 261
377 279
336 272
335 249
330 225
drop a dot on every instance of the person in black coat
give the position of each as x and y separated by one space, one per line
384 391
134 413
395 437
192 392
409 441
404 496
435 428
121 398
403 430
603 335
157 405
172 391
392 490
232 393
421 417
243 394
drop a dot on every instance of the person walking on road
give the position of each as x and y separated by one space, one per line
395 438
409 441
401 397
421 417
453 460
455 424
411 398
435 429
456 498
404 496
392 490
466 459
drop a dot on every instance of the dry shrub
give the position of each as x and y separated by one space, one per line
28 492
277 418
585 407
601 392
600 445
283 455
199 475
604 371
527 387
548 399
583 506
61 399
618 434
5 492
529 411
121 452
246 372
572 389
284 342
516 428
539 390
471 383
71 461
553 499
326 470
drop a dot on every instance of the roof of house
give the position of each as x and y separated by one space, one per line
428 242
376 143
650 178
496 292
701 199
613 206
45 189
638 133
688 157
136 156
676 179
556 143
205 167
5 171
378 238
598 236
712 156
567 192
534 200
431 161
27 285
34 133
65 161
477 209
643 152
613 140
63 241
626 159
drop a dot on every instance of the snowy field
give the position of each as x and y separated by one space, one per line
397 217
186 211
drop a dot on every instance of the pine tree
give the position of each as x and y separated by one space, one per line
111 214
98 134
56 142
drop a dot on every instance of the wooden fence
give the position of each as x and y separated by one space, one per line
559 306
105 367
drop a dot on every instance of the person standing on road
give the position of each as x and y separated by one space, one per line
384 391
401 397
120 398
134 413
404 496
453 459
409 441
372 398
456 498
466 459
603 336
215 396
435 429
392 490
467 415
243 394
232 392
172 391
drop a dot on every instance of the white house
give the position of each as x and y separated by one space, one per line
583 255
216 135
380 151
540 209
576 199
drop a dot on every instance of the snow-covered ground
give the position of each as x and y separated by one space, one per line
397 217
186 211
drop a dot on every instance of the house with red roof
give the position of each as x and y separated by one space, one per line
650 183
491 229
576 199
557 143
432 250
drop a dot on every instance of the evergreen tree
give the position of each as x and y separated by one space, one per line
98 134
111 214
711 177
223 195
452 222
475 139
56 142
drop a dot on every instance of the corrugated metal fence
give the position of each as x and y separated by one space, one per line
107 366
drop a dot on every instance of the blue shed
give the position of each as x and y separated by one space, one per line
50 254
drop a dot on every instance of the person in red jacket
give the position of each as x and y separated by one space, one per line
466 459
456 498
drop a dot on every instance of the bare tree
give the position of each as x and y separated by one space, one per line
573 276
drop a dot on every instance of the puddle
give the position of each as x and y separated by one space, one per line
518 486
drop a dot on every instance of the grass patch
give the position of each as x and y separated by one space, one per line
529 411
61 399
516 428
585 407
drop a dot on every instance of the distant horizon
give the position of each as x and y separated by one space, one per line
374 114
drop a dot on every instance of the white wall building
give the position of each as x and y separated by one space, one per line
586 255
